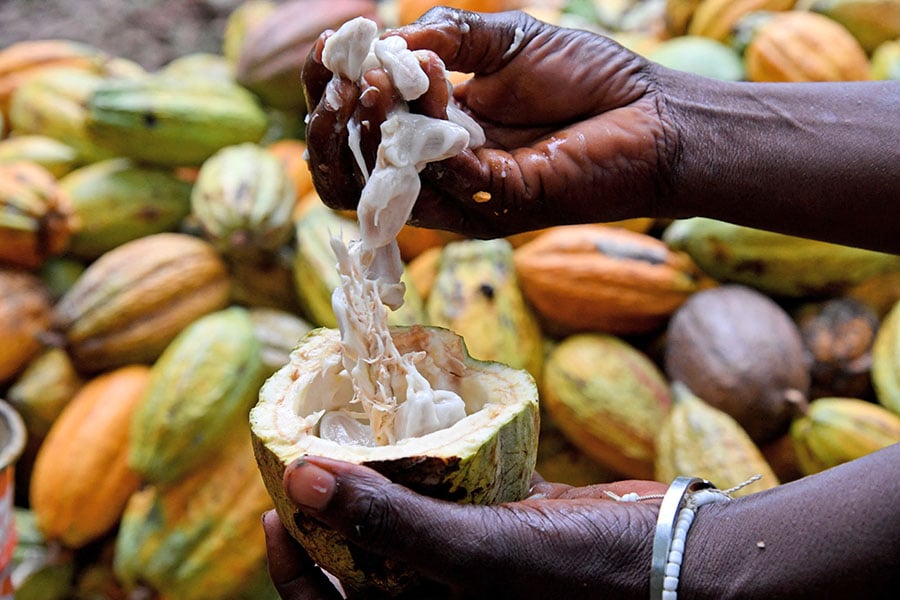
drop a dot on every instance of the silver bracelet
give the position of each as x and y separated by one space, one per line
676 513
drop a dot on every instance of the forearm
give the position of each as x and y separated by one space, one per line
834 535
819 160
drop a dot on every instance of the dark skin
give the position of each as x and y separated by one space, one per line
581 130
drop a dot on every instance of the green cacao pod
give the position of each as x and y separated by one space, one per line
199 538
837 430
169 122
43 389
476 294
243 200
698 439
53 103
40 570
886 60
207 380
132 301
608 398
774 263
886 361
487 457
117 201
315 270
54 155
699 55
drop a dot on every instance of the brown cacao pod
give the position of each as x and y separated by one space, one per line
804 46
36 217
742 353
838 335
603 278
132 301
81 478
274 51
608 399
25 313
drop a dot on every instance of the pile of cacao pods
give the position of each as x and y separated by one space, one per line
162 250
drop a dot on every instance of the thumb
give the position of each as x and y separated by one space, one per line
448 542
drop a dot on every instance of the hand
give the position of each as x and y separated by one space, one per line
574 126
560 542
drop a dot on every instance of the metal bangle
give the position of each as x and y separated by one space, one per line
665 525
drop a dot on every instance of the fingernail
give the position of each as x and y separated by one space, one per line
308 485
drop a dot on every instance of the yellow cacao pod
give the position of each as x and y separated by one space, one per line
608 398
700 440
132 301
872 22
886 361
54 155
837 430
804 46
716 18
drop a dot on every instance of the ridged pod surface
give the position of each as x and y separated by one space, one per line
54 155
25 314
608 398
278 333
798 46
36 216
742 353
117 201
132 301
81 479
169 121
476 294
706 442
199 538
716 18
53 103
315 268
487 457
886 361
837 430
243 200
603 278
204 383
774 263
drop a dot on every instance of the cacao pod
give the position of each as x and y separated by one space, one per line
41 570
81 479
486 457
36 219
799 46
608 398
206 380
837 430
476 295
117 201
886 60
199 538
700 55
774 263
278 333
53 103
602 278
25 314
716 18
838 335
743 354
43 390
871 22
247 15
243 200
132 301
169 122
697 438
886 361
274 51
57 157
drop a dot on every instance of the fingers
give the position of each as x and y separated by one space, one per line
294 574
334 173
471 42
